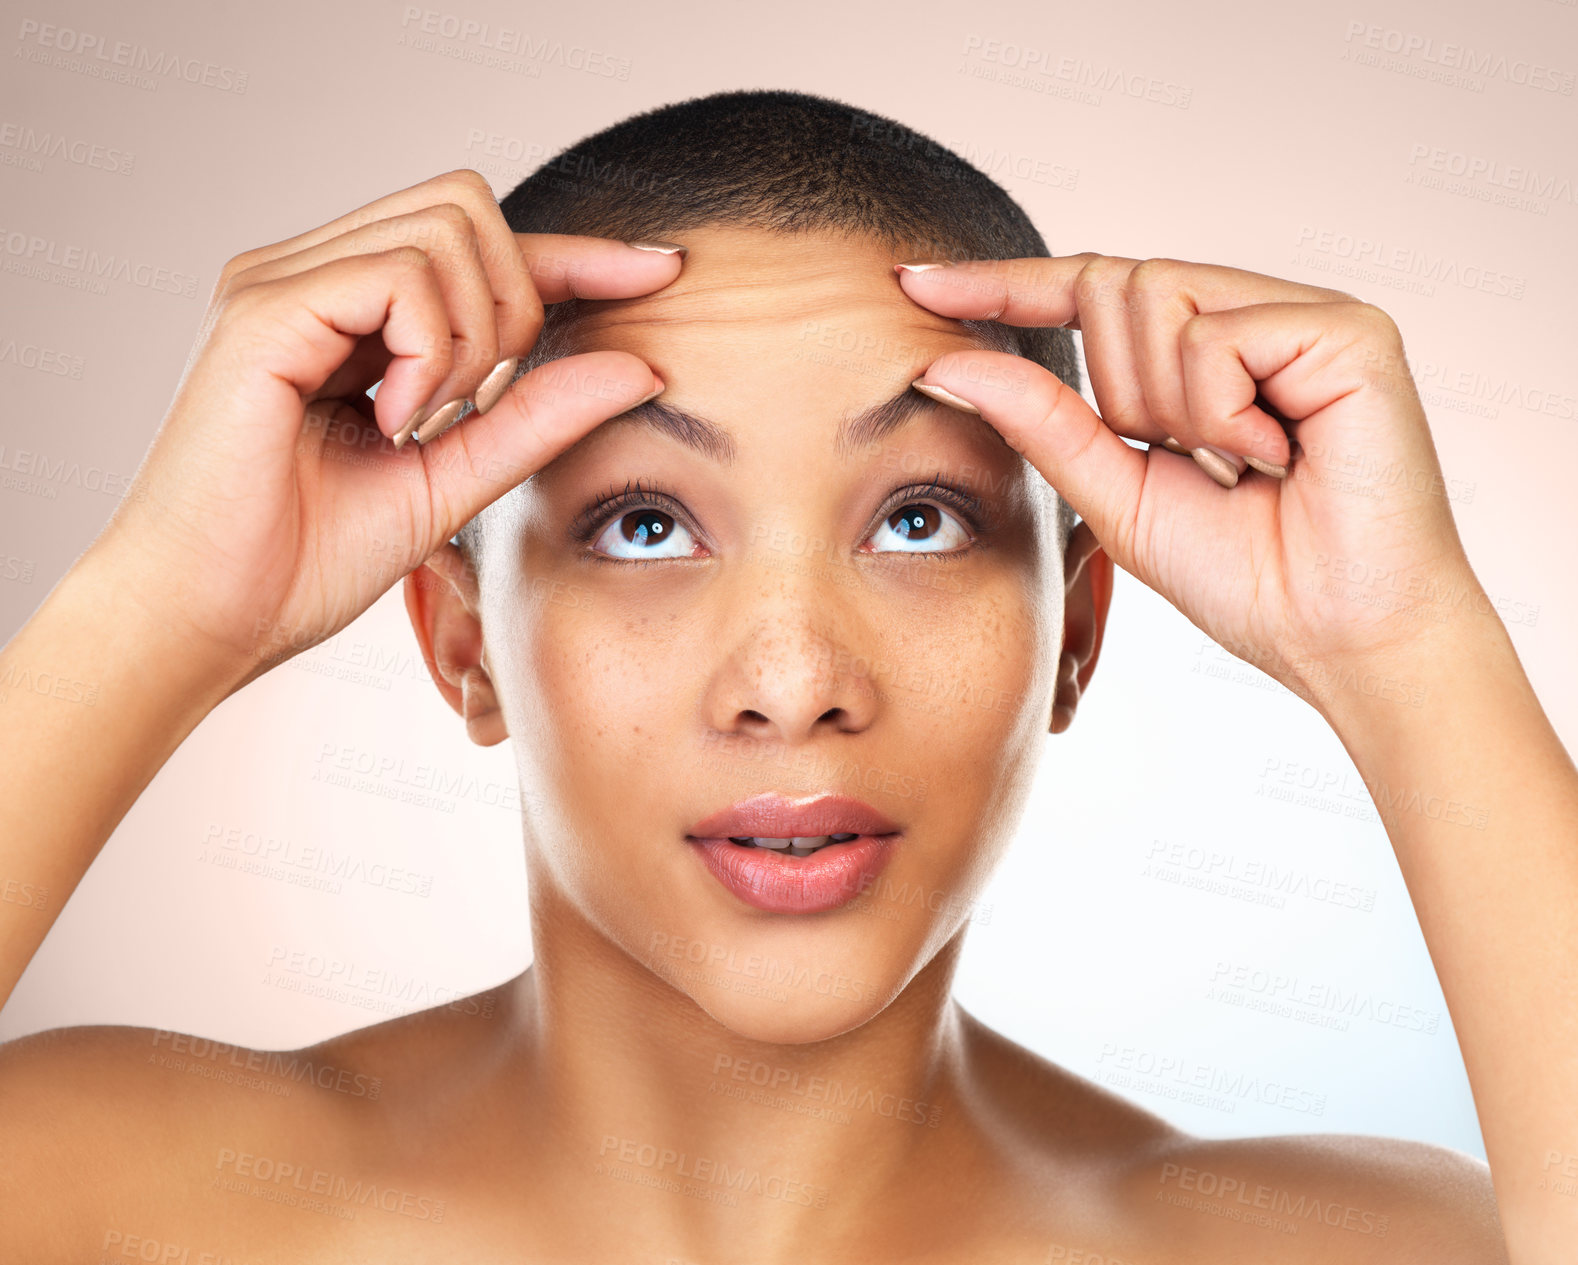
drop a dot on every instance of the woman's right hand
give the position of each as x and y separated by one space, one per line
272 508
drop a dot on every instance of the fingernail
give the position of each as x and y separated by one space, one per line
404 433
1267 467
491 389
439 421
944 397
662 248
1172 445
1216 465
919 265
661 387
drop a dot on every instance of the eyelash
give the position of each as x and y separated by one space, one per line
589 523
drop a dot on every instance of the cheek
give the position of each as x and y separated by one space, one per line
599 705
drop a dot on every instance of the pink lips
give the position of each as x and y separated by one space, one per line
834 875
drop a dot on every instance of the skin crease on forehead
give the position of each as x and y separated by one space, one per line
644 697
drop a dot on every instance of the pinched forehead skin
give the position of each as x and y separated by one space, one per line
778 337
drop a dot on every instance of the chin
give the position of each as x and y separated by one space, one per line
779 1015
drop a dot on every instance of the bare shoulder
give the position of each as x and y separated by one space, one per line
1320 1197
112 1131
1113 1182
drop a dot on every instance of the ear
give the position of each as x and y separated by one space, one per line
442 598
1088 593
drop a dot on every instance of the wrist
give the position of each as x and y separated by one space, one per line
1419 690
110 612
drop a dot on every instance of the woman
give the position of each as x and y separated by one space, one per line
756 555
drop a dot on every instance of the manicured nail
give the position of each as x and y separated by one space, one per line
661 387
1216 465
439 421
1267 467
491 389
404 433
662 248
919 265
944 397
1172 445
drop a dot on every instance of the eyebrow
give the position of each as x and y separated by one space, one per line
860 430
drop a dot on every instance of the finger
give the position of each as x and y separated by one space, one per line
465 349
565 266
1110 351
1045 420
542 415
1034 291
463 186
300 328
1299 357
1051 291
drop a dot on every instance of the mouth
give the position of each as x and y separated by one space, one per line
800 857
800 846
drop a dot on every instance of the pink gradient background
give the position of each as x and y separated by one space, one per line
1278 131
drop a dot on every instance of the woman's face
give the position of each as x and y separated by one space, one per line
788 614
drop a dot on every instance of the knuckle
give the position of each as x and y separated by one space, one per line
1098 280
455 220
1151 276
1377 322
410 257
1196 332
236 265
238 306
468 178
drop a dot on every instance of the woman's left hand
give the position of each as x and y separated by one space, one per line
1332 568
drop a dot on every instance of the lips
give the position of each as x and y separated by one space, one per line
789 882
771 816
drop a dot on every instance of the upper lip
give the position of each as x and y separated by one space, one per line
771 816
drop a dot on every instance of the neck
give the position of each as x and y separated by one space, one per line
684 1133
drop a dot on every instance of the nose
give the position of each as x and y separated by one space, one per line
788 671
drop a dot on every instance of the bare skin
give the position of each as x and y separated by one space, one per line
534 1120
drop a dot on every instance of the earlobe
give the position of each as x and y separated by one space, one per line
441 598
1087 598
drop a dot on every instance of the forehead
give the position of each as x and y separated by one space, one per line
826 304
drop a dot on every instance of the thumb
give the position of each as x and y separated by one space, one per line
1050 425
481 457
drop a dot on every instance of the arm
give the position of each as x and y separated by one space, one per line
1480 800
1311 388
247 537
97 693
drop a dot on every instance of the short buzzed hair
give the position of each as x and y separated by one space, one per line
785 162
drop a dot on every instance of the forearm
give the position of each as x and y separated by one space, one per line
1480 800
95 694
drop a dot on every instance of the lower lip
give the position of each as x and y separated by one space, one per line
768 879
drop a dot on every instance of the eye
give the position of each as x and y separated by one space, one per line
644 533
920 527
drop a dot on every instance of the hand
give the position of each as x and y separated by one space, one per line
1217 356
273 508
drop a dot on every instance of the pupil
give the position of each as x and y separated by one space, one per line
650 526
911 522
